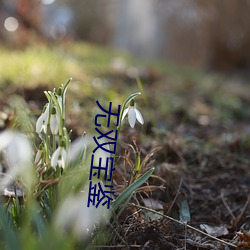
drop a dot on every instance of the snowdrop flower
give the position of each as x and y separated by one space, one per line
73 216
42 122
54 121
17 152
78 148
133 114
59 157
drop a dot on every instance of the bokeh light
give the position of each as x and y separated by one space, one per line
11 24
58 31
48 2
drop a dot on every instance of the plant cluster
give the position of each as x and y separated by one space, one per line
44 175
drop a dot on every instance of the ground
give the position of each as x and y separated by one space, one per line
196 125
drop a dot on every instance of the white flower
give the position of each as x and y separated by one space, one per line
78 148
54 121
59 158
133 114
73 216
42 122
17 152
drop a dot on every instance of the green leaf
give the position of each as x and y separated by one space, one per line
128 191
39 222
138 163
65 87
122 209
10 236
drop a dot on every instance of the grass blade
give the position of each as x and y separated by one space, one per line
128 191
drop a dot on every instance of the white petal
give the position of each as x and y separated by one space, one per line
55 156
18 155
64 154
19 151
54 124
61 163
63 158
124 113
78 147
42 121
139 116
132 117
46 113
44 127
5 139
67 213
73 216
39 123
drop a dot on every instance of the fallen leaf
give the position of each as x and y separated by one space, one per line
185 212
245 236
152 204
183 208
155 205
215 231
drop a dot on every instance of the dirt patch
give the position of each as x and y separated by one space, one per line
203 163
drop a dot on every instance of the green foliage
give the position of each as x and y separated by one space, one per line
132 188
34 64
51 64
21 121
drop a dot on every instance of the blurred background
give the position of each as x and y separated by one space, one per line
193 60
211 34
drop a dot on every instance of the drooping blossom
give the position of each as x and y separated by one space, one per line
54 121
42 122
59 157
133 114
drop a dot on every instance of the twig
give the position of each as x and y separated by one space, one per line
227 207
57 180
185 242
115 247
184 224
48 185
237 220
175 198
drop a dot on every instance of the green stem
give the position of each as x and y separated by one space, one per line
54 142
65 87
47 138
127 100
118 128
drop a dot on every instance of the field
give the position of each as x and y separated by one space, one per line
196 135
